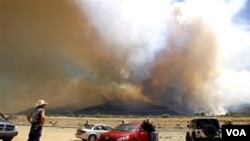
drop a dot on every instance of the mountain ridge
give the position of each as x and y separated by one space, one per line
111 108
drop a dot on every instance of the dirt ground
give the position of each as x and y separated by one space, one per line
64 128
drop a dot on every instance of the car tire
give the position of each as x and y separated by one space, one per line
92 138
210 131
195 139
9 139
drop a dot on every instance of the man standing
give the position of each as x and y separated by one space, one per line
123 121
148 126
37 118
86 123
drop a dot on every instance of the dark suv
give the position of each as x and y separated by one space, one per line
204 129
8 130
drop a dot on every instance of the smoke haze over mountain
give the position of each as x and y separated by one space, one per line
88 52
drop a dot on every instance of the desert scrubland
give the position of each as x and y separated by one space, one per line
63 128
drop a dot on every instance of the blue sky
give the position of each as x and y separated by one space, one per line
245 13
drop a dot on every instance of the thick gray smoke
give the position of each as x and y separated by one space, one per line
83 53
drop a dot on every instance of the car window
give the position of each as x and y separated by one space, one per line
125 127
201 123
99 127
108 128
102 127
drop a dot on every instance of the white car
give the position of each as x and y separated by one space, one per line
92 131
8 130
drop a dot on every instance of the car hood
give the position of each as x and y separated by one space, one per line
117 133
6 122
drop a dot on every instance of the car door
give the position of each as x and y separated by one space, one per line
142 135
99 129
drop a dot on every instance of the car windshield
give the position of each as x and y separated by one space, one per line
2 117
201 123
125 127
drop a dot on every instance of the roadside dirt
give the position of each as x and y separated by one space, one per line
64 128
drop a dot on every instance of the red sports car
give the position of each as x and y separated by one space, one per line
126 132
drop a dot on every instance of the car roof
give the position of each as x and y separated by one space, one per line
133 123
137 123
96 124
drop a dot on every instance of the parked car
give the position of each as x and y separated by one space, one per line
126 132
92 131
8 130
204 128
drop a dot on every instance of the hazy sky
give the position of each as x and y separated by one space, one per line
186 55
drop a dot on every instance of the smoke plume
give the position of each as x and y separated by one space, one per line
86 52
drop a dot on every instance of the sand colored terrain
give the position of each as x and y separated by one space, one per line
64 128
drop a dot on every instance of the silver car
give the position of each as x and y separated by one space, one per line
8 130
92 131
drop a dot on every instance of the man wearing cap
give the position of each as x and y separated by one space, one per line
37 118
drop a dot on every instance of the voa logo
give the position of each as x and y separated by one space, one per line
236 132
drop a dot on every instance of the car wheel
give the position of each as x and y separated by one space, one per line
92 138
210 131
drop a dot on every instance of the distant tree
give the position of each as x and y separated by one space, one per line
165 116
202 114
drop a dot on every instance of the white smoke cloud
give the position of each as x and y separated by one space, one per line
137 29
233 36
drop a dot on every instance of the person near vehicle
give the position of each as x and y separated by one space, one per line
86 123
228 122
37 118
148 126
124 121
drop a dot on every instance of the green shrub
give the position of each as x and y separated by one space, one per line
165 116
99 115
